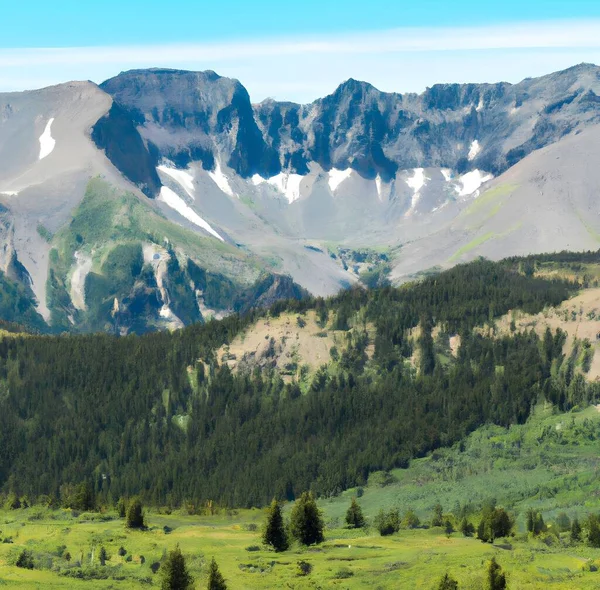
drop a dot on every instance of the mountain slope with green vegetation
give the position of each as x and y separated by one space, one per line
119 266
244 437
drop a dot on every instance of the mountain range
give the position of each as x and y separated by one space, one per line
163 197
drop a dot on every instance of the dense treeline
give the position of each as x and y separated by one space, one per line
157 416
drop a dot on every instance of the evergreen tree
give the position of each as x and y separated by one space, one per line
495 577
135 515
466 528
447 583
354 515
575 531
438 515
306 522
410 520
593 526
448 528
215 579
275 534
121 507
175 575
102 556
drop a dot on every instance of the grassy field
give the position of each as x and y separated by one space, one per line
347 559
550 464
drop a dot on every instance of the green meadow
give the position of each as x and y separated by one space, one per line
550 464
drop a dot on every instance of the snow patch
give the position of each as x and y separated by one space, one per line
173 200
479 107
221 180
47 142
165 312
336 177
257 179
447 174
183 177
379 186
416 182
474 150
287 183
9 193
471 181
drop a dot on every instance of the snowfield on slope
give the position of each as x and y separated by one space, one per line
221 180
173 200
182 177
47 142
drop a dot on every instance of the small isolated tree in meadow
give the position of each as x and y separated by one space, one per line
495 578
102 556
387 523
175 575
447 583
354 515
448 527
438 515
215 578
466 528
306 522
135 515
275 534
410 520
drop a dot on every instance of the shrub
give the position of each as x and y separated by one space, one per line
303 568
387 523
343 573
25 560
410 520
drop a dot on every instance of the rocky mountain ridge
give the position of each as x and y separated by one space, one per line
359 186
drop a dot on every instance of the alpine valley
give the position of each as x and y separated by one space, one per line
161 198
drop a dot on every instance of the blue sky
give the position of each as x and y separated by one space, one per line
298 50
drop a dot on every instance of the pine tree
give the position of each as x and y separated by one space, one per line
306 521
447 583
438 515
448 527
275 534
122 508
175 575
135 515
215 579
575 531
102 556
593 530
354 515
495 577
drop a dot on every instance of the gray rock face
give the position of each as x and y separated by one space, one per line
197 116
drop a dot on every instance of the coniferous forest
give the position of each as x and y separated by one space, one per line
158 416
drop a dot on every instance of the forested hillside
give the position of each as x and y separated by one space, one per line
161 416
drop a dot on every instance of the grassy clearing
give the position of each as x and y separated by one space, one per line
479 240
347 559
490 198
550 464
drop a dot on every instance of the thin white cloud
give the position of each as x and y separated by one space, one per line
553 34
301 67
